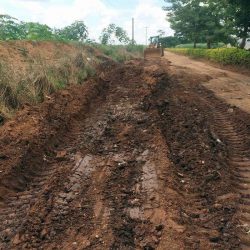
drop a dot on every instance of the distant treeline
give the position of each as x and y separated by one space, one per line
14 29
209 21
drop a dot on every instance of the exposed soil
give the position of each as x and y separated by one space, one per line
232 87
133 159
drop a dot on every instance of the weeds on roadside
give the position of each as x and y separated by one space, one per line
40 78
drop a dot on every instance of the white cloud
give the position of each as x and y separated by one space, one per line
149 14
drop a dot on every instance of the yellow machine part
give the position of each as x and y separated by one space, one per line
153 53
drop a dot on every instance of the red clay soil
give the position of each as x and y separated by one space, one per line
132 159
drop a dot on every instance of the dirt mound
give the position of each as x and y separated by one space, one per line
130 160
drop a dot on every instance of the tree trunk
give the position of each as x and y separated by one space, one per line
195 42
243 43
208 44
244 38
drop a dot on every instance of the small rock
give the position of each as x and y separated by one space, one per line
219 141
230 110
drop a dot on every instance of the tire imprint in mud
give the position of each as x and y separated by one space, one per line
202 177
16 210
116 192
235 134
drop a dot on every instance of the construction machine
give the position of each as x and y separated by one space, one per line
155 49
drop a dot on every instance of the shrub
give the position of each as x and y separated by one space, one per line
226 56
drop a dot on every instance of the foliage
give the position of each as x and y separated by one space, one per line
37 31
10 28
13 29
171 41
233 56
113 32
239 13
207 21
77 31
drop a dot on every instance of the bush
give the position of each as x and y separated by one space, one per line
226 56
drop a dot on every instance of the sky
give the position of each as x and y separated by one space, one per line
97 14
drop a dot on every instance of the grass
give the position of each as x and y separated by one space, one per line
121 53
225 56
39 78
38 71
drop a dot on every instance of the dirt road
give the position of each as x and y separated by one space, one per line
233 87
141 157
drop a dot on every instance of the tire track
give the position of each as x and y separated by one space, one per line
16 210
237 141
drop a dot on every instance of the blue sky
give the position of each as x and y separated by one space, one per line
97 14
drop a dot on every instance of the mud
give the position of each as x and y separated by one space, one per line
133 159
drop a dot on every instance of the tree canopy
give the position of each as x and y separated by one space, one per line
12 29
209 21
112 33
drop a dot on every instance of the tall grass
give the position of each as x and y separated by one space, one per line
39 79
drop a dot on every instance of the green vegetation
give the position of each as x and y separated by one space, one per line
36 76
209 21
31 76
226 56
13 29
112 33
121 53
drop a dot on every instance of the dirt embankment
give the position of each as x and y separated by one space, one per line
31 71
133 159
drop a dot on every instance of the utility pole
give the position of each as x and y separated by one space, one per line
133 31
146 35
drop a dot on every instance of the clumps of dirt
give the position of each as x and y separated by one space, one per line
131 159
200 168
29 141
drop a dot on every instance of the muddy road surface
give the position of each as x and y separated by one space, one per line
136 158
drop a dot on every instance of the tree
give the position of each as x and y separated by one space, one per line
113 32
239 10
196 20
77 31
37 31
10 28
